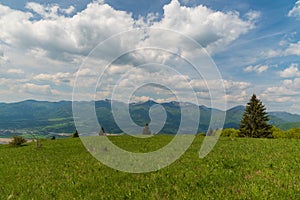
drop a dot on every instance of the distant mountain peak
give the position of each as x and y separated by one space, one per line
57 116
237 108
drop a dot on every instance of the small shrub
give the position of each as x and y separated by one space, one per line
293 133
201 133
230 132
277 133
18 141
76 134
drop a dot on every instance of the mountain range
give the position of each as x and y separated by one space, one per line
44 116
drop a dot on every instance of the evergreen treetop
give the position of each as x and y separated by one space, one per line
255 119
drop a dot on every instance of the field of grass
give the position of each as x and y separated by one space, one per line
242 168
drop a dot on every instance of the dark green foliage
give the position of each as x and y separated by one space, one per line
76 134
293 133
230 132
254 122
18 141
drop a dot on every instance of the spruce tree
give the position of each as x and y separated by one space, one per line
76 134
255 119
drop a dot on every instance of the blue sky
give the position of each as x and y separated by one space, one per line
254 44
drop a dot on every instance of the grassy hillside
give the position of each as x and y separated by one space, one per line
290 125
235 169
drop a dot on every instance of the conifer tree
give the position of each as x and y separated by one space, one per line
76 134
254 122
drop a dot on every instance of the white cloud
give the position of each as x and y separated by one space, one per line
293 49
230 85
272 53
140 98
253 15
69 10
295 12
293 84
15 71
35 89
284 95
239 97
58 36
85 72
49 11
236 85
280 97
212 29
4 82
291 71
257 68
58 78
49 39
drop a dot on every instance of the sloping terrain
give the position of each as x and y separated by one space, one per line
46 116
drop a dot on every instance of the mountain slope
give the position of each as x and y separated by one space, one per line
46 116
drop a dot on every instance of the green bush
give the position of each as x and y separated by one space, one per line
291 133
76 134
18 141
230 132
277 133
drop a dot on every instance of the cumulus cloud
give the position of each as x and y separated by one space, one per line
295 12
236 85
42 35
230 85
58 34
257 68
80 33
239 97
295 83
253 15
272 53
293 49
58 78
69 10
35 89
283 93
211 29
291 71
287 94
49 11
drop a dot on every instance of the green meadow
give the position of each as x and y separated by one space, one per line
237 168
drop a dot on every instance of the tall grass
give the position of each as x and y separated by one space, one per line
243 168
